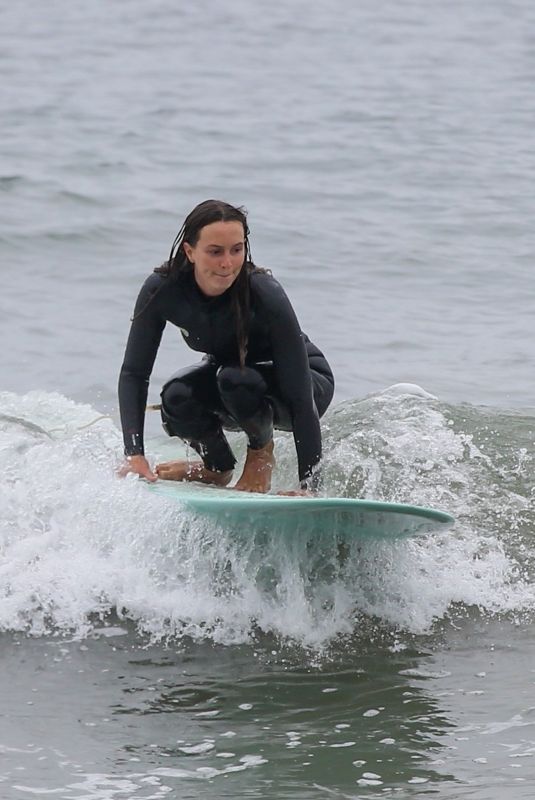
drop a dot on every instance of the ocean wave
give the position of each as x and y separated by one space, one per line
78 544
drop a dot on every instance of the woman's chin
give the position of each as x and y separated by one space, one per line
218 285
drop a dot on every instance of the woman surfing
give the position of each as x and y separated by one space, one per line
259 371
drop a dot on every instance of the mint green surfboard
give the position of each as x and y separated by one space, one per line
345 516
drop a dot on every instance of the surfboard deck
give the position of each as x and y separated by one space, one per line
348 517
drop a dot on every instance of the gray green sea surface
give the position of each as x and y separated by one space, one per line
385 154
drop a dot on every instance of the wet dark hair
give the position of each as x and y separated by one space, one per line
204 214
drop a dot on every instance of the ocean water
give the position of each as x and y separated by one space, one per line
385 155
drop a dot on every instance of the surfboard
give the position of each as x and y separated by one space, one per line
345 516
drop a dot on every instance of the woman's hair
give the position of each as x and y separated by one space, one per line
205 214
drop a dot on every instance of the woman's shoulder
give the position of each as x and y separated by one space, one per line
272 303
266 288
154 294
158 279
154 280
150 287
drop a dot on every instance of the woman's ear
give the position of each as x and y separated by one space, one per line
188 249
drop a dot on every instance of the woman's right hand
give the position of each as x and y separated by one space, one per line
139 466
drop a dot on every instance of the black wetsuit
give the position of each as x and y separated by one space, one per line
287 382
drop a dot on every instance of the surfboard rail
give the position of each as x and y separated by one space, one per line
345 515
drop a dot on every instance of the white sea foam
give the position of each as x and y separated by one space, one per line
77 542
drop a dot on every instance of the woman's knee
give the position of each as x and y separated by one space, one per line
242 390
174 394
182 415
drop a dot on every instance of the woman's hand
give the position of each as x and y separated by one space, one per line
139 466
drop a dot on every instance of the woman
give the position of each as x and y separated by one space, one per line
259 372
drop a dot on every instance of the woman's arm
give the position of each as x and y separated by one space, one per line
292 371
142 346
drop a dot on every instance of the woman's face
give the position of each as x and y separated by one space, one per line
217 257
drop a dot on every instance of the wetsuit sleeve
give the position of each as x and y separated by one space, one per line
141 349
292 372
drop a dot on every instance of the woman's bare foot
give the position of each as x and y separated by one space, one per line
191 471
256 475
